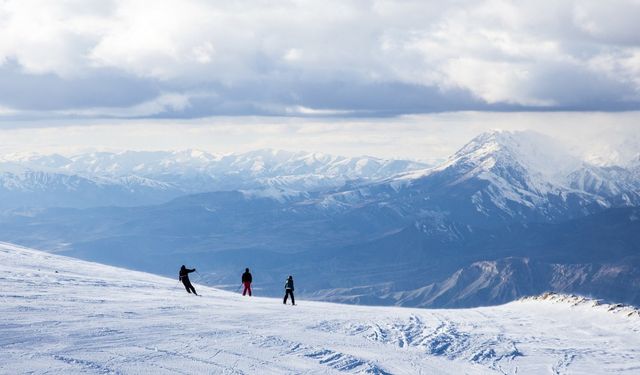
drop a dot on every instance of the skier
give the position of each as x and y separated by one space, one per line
184 277
246 281
288 290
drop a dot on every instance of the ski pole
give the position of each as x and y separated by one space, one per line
199 276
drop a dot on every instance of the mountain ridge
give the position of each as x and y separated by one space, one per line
480 229
154 177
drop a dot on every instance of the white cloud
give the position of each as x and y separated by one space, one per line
501 51
301 110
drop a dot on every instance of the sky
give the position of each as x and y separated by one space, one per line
365 76
603 138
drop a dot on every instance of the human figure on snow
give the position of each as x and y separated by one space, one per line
184 277
288 290
246 282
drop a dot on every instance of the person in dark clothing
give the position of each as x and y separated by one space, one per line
184 277
246 281
288 290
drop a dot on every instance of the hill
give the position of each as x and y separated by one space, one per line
61 315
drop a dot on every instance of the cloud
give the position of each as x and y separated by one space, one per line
372 57
160 104
51 92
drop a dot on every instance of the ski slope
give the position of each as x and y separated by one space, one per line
64 316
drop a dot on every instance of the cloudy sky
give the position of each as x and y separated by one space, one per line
253 71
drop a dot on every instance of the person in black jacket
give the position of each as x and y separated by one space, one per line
184 277
288 290
246 281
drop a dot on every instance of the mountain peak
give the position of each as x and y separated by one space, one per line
534 152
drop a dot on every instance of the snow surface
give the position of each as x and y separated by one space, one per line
61 315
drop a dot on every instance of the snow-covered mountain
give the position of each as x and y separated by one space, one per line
525 160
502 218
138 178
62 316
38 189
522 176
619 186
499 174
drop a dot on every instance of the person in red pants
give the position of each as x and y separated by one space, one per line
246 281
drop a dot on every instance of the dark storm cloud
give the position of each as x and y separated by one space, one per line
48 91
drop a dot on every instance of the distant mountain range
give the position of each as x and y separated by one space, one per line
139 178
509 214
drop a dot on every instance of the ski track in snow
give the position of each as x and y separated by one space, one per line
63 316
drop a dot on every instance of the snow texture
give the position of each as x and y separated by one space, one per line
65 316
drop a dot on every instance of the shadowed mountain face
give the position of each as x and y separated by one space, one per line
508 215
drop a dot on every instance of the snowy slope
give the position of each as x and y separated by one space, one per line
60 315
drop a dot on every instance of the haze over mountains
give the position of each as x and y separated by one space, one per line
508 215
